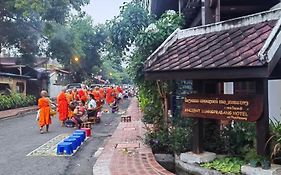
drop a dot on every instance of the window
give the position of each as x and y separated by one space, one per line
245 87
5 88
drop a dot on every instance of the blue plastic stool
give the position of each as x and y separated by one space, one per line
64 146
81 135
81 131
77 138
73 141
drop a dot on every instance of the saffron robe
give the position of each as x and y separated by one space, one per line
110 94
62 106
44 114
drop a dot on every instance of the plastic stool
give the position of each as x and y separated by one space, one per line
81 135
88 131
81 131
73 141
64 146
77 138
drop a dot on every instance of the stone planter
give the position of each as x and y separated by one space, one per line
166 160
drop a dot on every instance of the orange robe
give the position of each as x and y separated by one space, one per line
44 107
75 96
101 92
62 106
83 95
69 98
96 95
119 89
109 95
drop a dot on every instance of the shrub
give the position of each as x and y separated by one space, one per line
15 100
275 141
226 165
175 139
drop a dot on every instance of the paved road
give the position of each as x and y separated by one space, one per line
20 136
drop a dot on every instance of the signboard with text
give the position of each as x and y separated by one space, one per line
223 107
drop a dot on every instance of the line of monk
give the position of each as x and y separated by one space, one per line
68 100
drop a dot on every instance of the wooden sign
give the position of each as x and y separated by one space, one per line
223 107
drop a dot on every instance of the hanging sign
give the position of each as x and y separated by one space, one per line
223 107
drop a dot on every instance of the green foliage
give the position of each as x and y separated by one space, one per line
180 139
126 26
225 165
235 139
150 39
275 139
159 140
15 100
174 139
26 24
78 39
49 10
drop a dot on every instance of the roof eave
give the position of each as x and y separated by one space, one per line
211 74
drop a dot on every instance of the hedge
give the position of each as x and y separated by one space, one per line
16 100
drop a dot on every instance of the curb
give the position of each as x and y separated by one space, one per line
31 110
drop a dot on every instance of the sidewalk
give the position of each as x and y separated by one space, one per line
16 112
125 153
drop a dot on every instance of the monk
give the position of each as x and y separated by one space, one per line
69 98
75 95
44 112
96 94
102 94
62 107
83 94
110 94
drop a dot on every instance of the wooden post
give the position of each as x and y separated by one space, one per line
198 134
198 125
262 125
208 13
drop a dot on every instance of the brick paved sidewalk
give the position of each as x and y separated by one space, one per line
16 112
125 152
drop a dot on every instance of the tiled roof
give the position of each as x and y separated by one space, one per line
245 42
237 47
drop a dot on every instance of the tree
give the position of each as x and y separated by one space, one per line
24 22
125 27
135 26
78 38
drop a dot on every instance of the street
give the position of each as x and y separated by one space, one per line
20 136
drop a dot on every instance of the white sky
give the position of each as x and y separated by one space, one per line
102 10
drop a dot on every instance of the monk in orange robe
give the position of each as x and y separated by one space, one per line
82 95
62 106
102 94
44 111
75 95
110 95
96 94
69 98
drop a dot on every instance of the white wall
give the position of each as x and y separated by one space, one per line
54 90
274 98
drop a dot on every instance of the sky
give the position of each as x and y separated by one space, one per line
102 10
